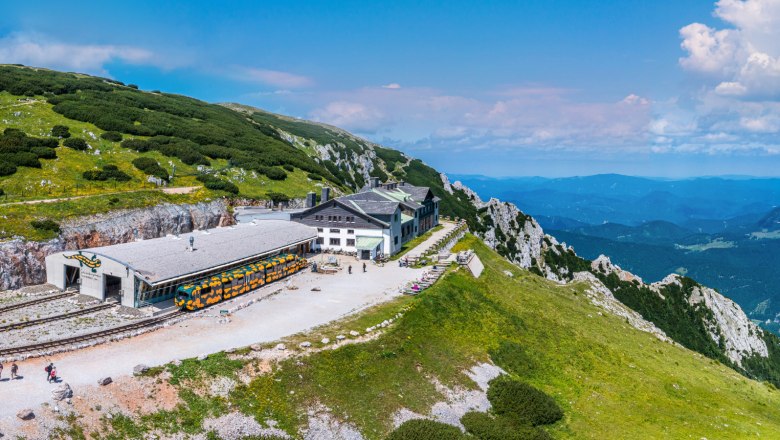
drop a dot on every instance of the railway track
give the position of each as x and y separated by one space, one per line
43 346
33 302
33 322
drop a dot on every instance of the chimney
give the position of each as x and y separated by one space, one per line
325 194
311 199
375 182
402 183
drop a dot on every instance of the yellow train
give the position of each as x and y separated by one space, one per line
234 282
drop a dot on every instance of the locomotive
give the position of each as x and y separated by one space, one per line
234 282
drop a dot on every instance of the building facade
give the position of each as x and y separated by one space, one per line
149 271
375 222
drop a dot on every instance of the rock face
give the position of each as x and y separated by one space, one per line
742 338
519 234
22 261
604 265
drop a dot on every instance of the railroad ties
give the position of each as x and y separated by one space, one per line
33 302
40 347
33 322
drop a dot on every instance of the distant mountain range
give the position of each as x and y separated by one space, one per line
724 232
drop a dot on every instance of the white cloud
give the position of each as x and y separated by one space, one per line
38 51
391 86
353 115
275 78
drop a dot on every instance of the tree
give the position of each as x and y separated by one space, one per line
60 131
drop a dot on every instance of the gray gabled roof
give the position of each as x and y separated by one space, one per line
160 259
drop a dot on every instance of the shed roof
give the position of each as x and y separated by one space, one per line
162 259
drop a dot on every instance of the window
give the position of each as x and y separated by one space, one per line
351 231
397 216
319 229
339 218
335 242
350 242
335 231
320 240
396 239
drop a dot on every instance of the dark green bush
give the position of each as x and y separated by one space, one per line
421 429
23 159
75 143
7 168
109 172
313 176
45 225
216 184
113 136
278 197
521 402
44 152
60 131
151 167
139 145
288 167
275 173
486 427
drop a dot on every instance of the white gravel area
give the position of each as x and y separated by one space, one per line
75 326
236 426
9 297
48 308
297 308
458 401
323 426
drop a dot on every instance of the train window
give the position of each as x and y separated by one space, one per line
205 290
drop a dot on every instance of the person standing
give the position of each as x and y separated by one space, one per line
1 370
53 375
364 267
14 370
48 370
349 269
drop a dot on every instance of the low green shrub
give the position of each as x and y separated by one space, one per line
522 403
6 168
46 225
60 131
113 136
109 172
44 152
487 427
151 167
23 159
274 173
313 176
216 184
422 429
288 167
75 143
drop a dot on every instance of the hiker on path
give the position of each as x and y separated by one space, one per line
48 370
53 375
1 370
349 269
14 370
364 267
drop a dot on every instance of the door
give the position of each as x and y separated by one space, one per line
365 255
72 277
112 287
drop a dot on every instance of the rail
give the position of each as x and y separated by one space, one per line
33 322
34 302
41 346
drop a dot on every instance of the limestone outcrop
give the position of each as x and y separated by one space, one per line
22 261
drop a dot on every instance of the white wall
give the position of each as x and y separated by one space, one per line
92 283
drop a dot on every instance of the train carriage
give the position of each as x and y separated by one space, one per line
235 282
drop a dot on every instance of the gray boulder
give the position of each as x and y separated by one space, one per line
103 381
140 369
62 392
26 414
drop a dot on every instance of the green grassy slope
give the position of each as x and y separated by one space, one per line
611 380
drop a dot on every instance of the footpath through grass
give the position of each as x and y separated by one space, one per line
611 380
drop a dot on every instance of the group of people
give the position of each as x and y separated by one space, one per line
14 370
349 268
51 372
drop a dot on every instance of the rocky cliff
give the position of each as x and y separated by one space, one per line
22 261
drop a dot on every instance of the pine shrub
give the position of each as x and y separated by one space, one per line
487 427
521 402
421 429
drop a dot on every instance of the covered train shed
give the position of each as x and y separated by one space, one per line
144 272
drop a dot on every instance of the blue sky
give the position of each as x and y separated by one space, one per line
546 87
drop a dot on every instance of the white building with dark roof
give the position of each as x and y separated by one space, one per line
377 221
148 271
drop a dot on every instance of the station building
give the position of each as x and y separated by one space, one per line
144 272
376 221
